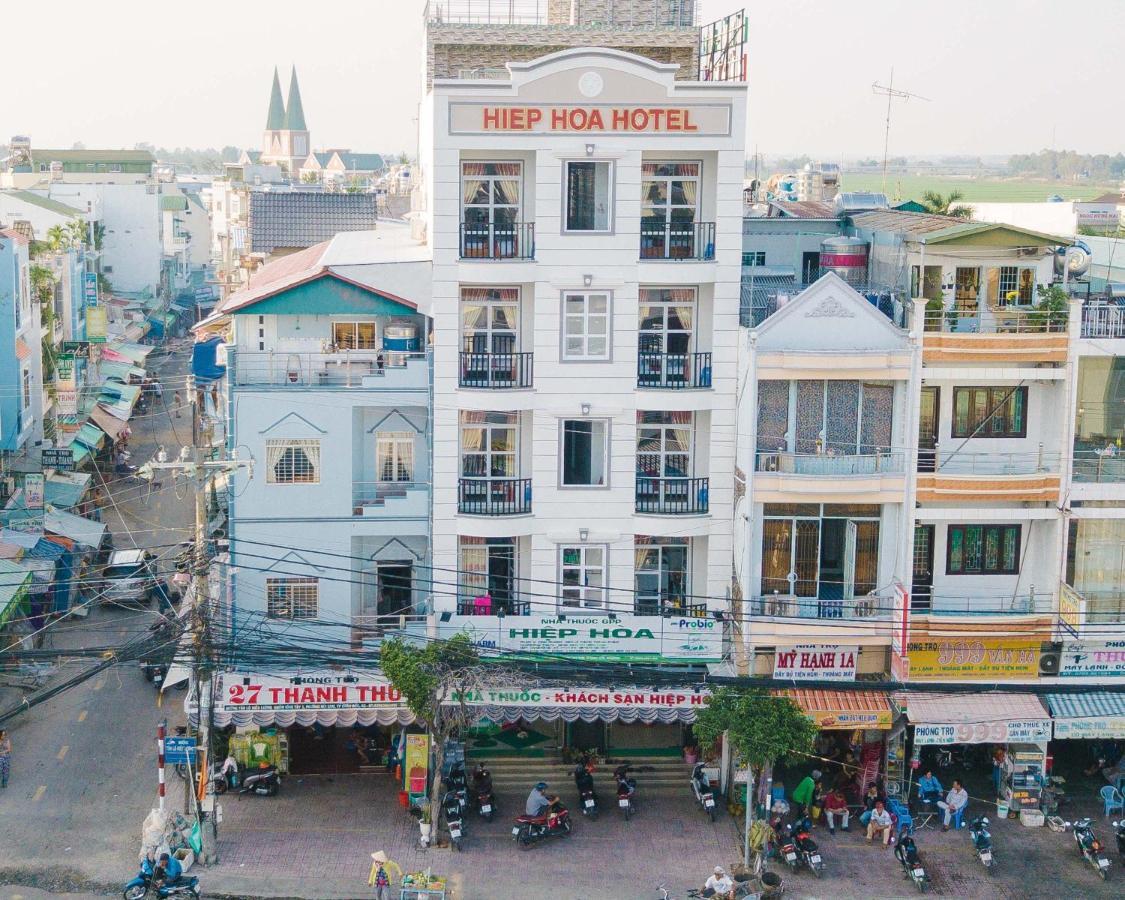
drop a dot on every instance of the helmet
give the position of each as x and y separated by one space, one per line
541 785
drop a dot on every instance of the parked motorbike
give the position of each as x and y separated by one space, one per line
528 830
587 798
138 888
907 854
263 782
626 791
701 787
454 818
485 802
982 840
1120 827
800 840
1089 846
455 783
1054 795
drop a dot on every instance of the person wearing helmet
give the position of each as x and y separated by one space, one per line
537 800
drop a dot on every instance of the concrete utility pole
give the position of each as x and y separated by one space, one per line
193 464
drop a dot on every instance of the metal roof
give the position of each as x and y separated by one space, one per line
1096 704
812 699
298 219
44 203
804 209
92 156
969 709
929 228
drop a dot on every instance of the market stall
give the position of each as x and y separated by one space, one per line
1090 728
1016 723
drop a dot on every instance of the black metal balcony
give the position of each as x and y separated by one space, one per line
674 371
494 496
498 607
669 607
672 496
678 240
496 371
480 240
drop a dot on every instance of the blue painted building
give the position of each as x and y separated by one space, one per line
21 376
329 392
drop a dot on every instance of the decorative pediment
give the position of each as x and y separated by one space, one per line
381 552
395 421
287 561
295 425
829 308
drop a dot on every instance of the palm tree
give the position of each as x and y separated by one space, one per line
77 230
944 206
57 238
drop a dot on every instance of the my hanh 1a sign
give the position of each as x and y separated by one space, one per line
815 662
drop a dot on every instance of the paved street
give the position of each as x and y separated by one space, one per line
83 767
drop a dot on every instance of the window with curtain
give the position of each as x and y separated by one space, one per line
1011 286
983 550
588 195
490 319
293 462
661 575
990 412
490 192
666 319
394 455
488 444
664 444
355 335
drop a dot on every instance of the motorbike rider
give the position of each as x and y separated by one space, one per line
537 801
907 851
168 871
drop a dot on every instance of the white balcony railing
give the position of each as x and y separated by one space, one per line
342 369
831 464
788 606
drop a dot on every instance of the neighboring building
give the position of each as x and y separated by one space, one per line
186 232
329 377
349 169
285 142
80 167
21 354
1106 211
586 280
280 222
42 212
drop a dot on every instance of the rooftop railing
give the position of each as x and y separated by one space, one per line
834 464
996 320
662 13
1103 320
788 606
953 462
1105 466
340 369
983 606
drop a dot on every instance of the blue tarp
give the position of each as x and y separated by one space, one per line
204 366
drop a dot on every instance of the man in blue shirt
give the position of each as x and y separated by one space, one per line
929 788
169 870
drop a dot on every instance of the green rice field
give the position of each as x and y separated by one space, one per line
996 190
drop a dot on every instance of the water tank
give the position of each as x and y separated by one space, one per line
1073 260
401 336
847 257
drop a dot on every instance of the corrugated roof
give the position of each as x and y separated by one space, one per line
45 203
173 202
292 219
14 581
66 489
1096 704
969 709
813 699
1111 197
88 156
805 209
362 162
77 528
916 224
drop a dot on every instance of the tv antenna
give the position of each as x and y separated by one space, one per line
892 93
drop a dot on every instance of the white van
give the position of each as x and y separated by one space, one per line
129 577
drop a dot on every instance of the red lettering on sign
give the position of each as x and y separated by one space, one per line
491 118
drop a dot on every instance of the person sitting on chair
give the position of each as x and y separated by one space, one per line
929 788
955 801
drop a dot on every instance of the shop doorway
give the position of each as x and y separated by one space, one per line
331 750
395 589
586 735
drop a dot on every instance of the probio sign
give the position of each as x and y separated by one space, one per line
1017 731
314 691
487 118
620 637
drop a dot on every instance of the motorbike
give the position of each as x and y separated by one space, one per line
138 888
454 818
485 802
626 791
798 841
455 783
701 787
1089 846
587 798
982 840
528 830
1054 795
263 782
912 868
1120 834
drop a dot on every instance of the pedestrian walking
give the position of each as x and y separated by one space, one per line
5 758
381 874
176 401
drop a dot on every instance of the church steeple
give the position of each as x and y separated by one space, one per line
275 121
294 112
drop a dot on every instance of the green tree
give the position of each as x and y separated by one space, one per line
1052 310
58 238
42 284
946 205
309 178
761 728
435 679
77 230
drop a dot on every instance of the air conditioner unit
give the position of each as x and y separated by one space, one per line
1050 659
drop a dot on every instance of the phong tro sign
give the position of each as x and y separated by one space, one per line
488 118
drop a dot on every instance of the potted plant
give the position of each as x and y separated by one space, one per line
425 825
934 309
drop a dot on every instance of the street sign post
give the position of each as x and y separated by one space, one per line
179 750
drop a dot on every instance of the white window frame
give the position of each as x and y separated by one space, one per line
563 424
396 448
281 606
355 323
492 205
486 450
611 185
275 452
589 597
493 336
586 317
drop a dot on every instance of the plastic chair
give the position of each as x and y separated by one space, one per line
959 816
1112 799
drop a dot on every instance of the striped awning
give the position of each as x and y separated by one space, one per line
22 350
1098 714
843 709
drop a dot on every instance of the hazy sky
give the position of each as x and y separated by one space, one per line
1001 74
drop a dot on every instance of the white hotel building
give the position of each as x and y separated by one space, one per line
585 218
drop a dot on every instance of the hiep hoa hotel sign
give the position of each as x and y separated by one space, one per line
616 119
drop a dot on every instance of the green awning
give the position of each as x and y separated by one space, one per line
14 582
89 436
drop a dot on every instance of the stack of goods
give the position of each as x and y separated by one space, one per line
172 833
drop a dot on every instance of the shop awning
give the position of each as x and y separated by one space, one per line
23 351
994 717
843 709
121 371
78 528
14 582
1099 714
134 352
107 422
66 489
